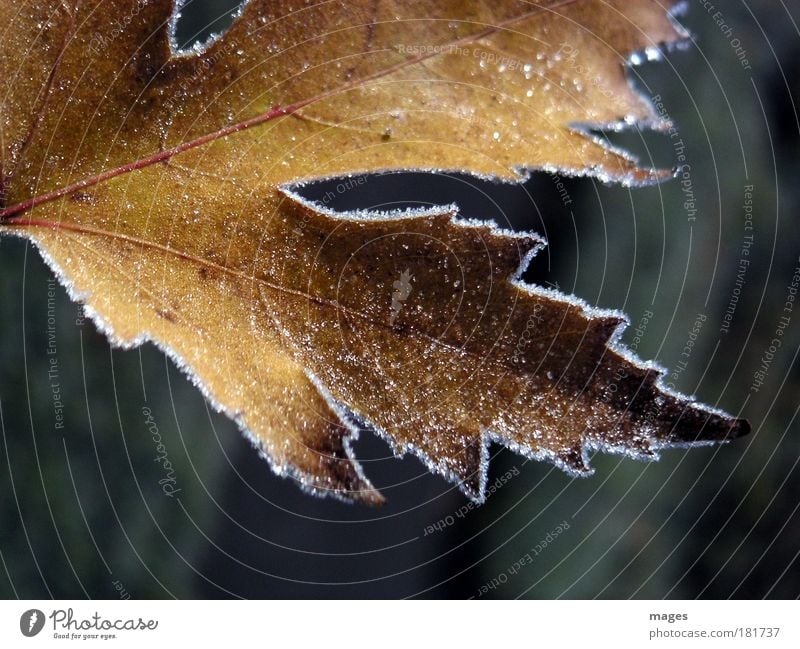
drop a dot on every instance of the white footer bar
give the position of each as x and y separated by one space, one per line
409 624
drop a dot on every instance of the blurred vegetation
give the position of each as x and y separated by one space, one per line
84 514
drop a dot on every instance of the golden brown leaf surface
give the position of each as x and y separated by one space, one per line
159 184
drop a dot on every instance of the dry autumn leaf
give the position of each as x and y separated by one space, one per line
161 187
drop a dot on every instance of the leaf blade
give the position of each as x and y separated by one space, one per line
175 200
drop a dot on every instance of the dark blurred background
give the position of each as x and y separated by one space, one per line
83 514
